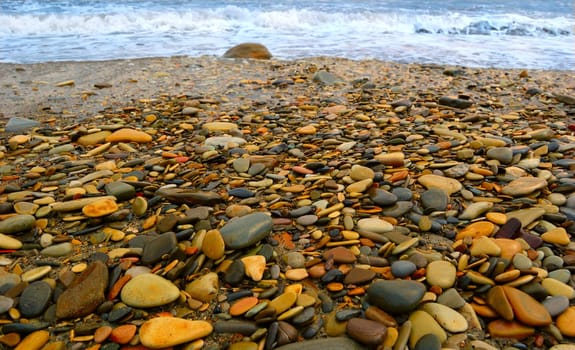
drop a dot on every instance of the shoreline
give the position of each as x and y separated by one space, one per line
91 86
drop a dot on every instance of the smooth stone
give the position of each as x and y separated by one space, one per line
396 296
155 249
235 273
294 260
451 298
428 342
510 229
235 326
220 126
7 242
5 303
326 78
524 186
358 276
149 290
402 268
332 343
382 197
497 299
164 332
566 321
213 245
359 186
248 50
189 196
366 331
360 172
129 135
18 124
123 334
58 250
423 323
241 306
503 154
556 236
340 255
241 165
484 246
204 288
35 299
441 273
434 199
25 208
449 319
474 210
555 288
17 224
307 220
238 210
283 302
374 225
247 230
449 185
255 266
398 209
94 138
509 329
562 275
76 204
36 273
224 141
456 171
121 190
556 305
526 309
243 345
476 229
100 208
522 262
85 293
34 341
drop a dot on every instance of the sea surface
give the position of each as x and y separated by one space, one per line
532 34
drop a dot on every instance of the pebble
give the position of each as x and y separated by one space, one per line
441 273
85 294
402 268
129 135
422 324
375 225
565 322
163 332
450 186
244 231
366 331
7 242
524 186
149 290
396 296
449 319
36 273
204 288
35 298
17 224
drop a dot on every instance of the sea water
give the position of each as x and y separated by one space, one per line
532 34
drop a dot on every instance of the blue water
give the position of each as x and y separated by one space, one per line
533 34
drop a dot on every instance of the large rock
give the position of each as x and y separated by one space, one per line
248 50
85 294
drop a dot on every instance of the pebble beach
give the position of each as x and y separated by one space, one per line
319 203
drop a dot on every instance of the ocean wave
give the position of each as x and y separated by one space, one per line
295 20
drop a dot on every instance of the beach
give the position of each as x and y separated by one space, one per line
255 204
